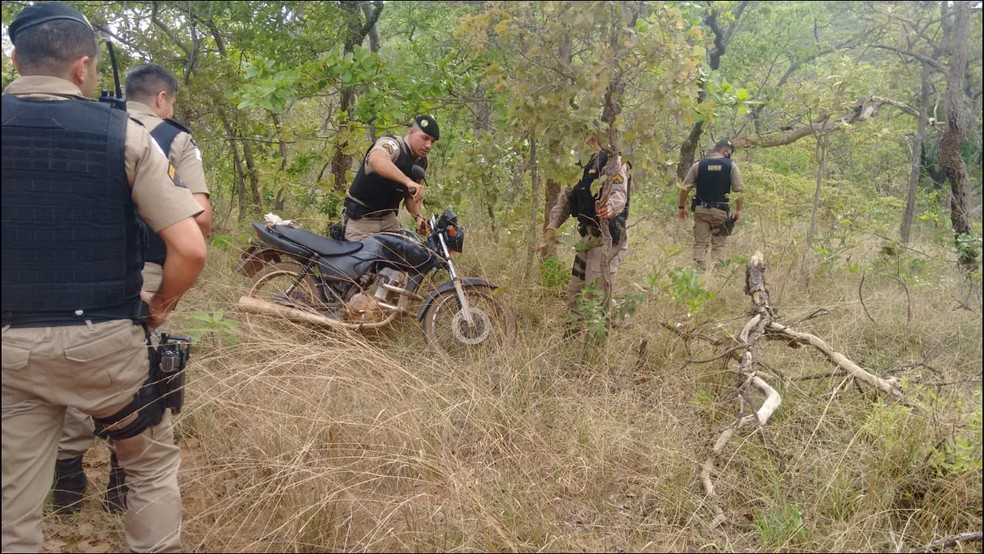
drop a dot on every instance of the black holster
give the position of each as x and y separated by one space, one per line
173 354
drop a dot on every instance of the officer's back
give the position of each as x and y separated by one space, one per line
75 175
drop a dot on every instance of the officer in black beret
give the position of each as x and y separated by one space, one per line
385 179
76 176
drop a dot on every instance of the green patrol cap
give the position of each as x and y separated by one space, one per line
429 125
43 12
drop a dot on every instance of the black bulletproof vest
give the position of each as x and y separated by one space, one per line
582 202
380 194
155 250
713 181
71 243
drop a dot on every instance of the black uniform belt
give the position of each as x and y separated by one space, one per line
136 311
357 210
711 205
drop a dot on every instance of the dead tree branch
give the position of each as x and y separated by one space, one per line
952 540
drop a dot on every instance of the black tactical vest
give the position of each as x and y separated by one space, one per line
71 243
378 194
155 251
713 183
582 202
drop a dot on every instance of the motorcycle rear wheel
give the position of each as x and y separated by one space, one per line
271 284
447 328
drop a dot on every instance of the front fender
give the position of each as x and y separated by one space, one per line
466 282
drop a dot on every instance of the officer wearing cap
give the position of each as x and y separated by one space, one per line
76 174
583 202
385 179
714 178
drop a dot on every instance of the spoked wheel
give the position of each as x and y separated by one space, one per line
276 283
448 329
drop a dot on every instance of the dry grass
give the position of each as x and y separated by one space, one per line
299 439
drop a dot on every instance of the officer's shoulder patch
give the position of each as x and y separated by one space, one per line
618 179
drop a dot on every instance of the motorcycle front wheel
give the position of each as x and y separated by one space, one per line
447 327
273 284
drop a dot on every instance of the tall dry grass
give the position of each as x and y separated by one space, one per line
301 439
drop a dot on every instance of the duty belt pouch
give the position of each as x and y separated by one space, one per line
173 354
354 210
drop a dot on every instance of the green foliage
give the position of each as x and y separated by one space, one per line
213 325
554 273
779 526
685 287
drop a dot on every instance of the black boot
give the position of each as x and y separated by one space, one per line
69 486
116 489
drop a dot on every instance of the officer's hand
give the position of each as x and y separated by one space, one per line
683 213
421 225
602 210
416 191
737 214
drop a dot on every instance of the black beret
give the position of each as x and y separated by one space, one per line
428 125
43 12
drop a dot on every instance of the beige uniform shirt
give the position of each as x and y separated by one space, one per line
158 201
690 179
392 148
184 155
616 197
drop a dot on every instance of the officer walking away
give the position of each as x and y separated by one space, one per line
75 175
714 178
583 201
384 180
151 92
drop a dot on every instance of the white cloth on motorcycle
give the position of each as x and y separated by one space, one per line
317 243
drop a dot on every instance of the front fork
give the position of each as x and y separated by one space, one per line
453 274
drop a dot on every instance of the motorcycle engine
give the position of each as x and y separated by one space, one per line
363 308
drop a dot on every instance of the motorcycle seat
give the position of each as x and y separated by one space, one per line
321 245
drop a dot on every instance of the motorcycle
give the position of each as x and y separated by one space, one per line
365 284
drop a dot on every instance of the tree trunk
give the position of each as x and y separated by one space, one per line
915 167
953 135
821 159
534 194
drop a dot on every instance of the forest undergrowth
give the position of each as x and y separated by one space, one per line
301 439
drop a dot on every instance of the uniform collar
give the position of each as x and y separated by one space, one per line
43 84
139 108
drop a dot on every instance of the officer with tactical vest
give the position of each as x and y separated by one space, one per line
584 202
385 179
151 92
714 178
75 176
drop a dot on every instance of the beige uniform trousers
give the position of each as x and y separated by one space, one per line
357 229
96 368
587 269
77 433
706 220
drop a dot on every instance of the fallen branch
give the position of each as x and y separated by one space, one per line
749 335
888 386
952 540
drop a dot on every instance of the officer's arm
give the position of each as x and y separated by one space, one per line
204 219
617 193
185 259
561 210
384 166
736 187
187 160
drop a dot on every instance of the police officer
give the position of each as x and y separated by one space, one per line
75 175
385 179
151 92
714 178
584 202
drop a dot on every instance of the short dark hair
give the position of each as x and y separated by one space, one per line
49 48
147 79
722 144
